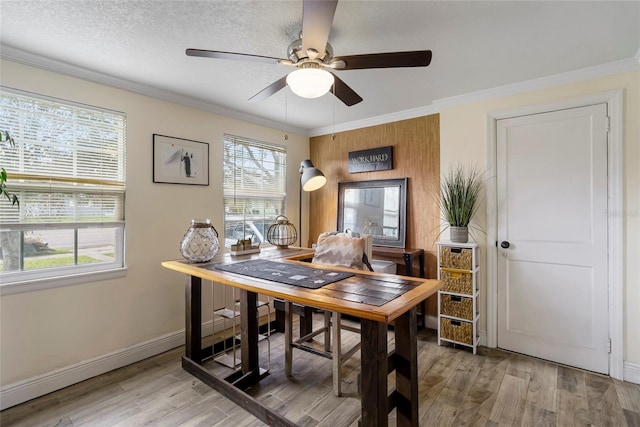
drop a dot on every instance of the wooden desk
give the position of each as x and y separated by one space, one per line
376 363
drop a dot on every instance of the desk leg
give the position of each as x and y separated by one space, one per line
406 365
408 264
249 332
288 337
374 367
193 319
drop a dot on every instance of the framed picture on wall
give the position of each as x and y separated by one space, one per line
180 161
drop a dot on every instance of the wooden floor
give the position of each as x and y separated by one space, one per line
493 388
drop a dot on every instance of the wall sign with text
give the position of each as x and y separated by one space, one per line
375 159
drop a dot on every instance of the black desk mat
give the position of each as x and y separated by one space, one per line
368 290
290 274
361 288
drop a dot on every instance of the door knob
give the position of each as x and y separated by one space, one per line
504 244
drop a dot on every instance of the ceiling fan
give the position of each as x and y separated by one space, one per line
311 54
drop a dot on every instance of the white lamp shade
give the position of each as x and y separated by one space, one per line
313 183
310 82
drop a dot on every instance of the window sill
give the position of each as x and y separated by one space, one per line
58 282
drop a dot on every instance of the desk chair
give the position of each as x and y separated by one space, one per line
344 250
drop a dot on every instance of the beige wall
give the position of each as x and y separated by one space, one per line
47 330
463 138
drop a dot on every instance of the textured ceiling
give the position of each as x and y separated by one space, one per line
476 46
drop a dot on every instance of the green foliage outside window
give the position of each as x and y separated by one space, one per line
6 137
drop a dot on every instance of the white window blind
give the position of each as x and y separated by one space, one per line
254 187
68 164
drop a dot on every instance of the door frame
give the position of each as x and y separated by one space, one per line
615 239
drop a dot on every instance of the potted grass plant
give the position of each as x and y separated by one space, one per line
460 191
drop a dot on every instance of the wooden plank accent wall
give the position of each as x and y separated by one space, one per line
416 155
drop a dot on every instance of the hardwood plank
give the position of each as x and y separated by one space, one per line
478 404
543 386
538 417
572 397
440 414
632 418
460 382
479 414
325 403
434 381
172 409
602 401
510 402
122 406
346 413
520 366
629 395
494 366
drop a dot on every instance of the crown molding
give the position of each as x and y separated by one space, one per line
48 64
602 70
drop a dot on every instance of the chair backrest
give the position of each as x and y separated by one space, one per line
343 249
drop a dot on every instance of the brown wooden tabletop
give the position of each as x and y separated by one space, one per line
386 313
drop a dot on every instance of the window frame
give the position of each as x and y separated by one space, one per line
19 281
260 195
35 280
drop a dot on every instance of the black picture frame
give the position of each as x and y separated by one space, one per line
180 161
389 236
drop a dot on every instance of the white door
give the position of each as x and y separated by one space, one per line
552 205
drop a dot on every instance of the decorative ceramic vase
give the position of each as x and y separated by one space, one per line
200 242
459 234
282 233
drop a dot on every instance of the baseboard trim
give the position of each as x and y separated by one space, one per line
631 372
23 391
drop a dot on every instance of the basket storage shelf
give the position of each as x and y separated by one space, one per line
458 312
458 257
456 330
457 306
458 281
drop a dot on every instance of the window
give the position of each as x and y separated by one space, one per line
254 188
68 171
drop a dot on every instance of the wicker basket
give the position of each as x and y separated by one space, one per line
457 306
456 330
460 282
454 257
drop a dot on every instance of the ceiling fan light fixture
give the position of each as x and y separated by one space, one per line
310 82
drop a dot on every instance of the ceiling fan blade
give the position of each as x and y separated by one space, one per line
344 93
269 90
317 19
416 58
231 55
